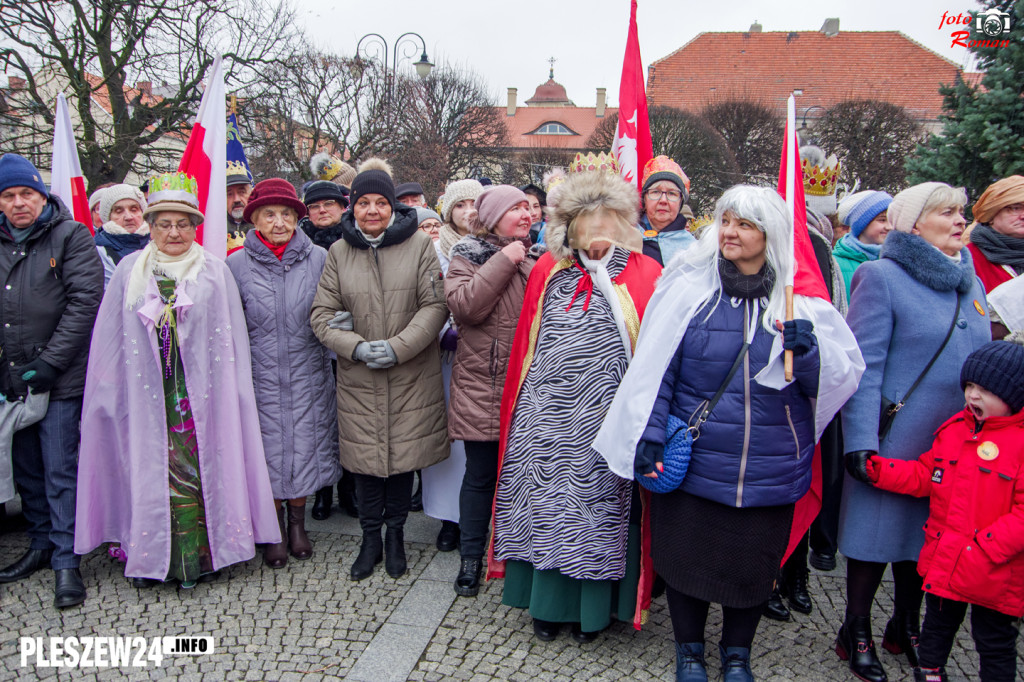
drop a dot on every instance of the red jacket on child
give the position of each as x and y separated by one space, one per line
974 537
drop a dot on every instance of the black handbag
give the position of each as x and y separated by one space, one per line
889 409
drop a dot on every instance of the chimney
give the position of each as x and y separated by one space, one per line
145 87
15 83
755 27
511 110
831 27
600 102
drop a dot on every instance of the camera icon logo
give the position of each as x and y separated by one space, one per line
992 22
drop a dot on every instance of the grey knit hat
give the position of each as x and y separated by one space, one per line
115 193
460 190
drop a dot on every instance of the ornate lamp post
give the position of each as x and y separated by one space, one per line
423 66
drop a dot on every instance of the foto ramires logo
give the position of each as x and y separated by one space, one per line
991 28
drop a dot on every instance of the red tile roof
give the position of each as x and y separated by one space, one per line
766 67
581 120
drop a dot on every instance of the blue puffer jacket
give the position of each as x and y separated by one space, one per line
118 246
774 467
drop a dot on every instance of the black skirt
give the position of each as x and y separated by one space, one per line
718 553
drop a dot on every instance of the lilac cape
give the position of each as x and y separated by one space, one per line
123 472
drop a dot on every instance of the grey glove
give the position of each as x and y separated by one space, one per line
365 353
385 353
342 320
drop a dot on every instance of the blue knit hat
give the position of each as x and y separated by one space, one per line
998 367
866 210
17 171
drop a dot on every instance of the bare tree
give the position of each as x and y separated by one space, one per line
145 60
529 166
872 139
753 134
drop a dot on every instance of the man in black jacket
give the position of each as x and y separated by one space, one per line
51 283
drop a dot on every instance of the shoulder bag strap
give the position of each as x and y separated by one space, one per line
703 413
898 406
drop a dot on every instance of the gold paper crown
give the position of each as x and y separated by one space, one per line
600 162
236 168
174 182
696 225
821 182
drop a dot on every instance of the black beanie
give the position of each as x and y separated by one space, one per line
997 367
319 190
373 182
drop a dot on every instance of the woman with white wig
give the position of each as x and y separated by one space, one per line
710 356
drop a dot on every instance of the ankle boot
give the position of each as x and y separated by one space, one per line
322 503
467 582
276 555
902 633
371 553
394 552
448 537
735 664
690 665
854 644
930 675
298 541
794 588
775 608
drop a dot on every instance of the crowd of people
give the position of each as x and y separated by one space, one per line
604 399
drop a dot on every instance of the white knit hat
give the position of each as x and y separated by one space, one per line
906 206
95 197
114 194
460 190
847 204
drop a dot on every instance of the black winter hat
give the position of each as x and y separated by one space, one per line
407 188
373 182
319 190
997 367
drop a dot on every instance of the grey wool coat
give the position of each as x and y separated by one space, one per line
291 370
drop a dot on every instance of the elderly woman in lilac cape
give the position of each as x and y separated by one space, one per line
169 406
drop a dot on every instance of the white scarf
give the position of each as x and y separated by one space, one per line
110 227
151 263
598 270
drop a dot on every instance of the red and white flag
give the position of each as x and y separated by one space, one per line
805 275
205 159
66 179
632 147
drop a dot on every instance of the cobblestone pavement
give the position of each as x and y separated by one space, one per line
308 621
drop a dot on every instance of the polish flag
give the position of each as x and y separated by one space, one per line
66 179
632 147
205 159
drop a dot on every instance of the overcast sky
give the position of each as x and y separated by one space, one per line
508 42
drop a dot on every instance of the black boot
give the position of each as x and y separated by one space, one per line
322 503
794 589
448 538
30 562
930 675
467 583
775 608
854 644
371 553
416 504
347 496
823 561
902 633
68 588
394 552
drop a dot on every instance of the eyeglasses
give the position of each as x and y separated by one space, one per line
1015 209
323 205
181 226
670 194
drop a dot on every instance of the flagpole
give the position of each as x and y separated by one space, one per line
792 163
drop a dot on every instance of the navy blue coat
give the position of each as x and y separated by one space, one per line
118 246
777 467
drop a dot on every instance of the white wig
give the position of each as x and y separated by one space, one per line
767 210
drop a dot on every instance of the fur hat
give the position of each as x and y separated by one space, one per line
906 206
998 366
585 193
457 191
115 193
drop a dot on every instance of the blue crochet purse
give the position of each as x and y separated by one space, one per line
679 437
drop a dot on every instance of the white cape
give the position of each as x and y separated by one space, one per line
679 292
1007 300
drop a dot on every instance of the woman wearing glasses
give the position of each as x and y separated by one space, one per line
665 191
171 462
997 239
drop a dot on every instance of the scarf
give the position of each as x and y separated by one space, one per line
448 238
999 248
596 272
870 250
276 249
153 263
321 236
110 227
737 285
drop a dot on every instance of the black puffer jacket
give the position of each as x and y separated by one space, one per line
50 290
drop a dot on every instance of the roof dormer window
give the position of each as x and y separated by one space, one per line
552 128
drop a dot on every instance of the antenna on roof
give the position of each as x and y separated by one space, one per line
551 71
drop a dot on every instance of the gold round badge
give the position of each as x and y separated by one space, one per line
977 306
988 451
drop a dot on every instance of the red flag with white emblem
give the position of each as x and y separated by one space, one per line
632 147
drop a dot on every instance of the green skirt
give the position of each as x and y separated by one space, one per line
555 597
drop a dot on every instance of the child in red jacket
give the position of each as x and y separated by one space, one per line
974 538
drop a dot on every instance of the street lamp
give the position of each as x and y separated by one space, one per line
423 66
803 123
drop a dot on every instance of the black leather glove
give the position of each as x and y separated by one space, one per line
857 464
798 336
648 456
38 375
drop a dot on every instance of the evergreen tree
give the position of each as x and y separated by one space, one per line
982 138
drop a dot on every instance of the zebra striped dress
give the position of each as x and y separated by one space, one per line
558 506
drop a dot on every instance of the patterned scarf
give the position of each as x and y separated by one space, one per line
999 248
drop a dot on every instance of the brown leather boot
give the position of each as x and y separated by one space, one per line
276 555
298 541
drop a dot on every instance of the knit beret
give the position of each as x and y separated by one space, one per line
115 193
867 209
460 190
320 190
94 198
17 171
407 189
906 206
373 182
998 367
493 203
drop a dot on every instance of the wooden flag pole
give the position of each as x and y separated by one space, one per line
792 163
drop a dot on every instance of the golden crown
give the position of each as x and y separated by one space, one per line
236 168
601 162
819 181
